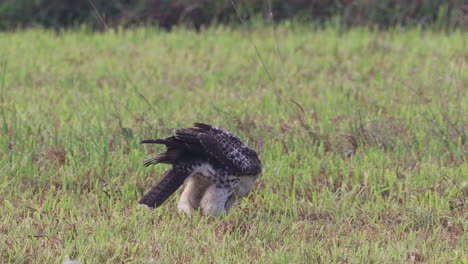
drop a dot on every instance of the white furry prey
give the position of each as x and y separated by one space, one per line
202 192
197 183
192 194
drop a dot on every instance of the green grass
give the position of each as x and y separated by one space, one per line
363 138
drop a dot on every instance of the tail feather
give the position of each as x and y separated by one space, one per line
165 141
174 150
168 157
169 183
151 161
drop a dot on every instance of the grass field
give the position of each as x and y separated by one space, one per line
362 135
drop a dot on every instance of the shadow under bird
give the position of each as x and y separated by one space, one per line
218 166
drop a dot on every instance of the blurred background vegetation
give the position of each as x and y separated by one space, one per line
437 14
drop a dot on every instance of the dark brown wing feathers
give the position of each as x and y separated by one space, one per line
223 146
203 126
204 139
187 135
169 183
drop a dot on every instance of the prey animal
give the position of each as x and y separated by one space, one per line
218 167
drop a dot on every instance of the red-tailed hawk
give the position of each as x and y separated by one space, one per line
219 167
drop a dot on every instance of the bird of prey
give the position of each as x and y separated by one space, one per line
217 165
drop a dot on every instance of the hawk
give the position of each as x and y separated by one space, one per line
217 165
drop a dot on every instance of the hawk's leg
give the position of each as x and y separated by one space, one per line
230 201
192 194
216 198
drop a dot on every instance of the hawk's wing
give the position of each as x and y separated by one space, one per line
224 147
167 185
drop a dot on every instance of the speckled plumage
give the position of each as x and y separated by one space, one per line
219 167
